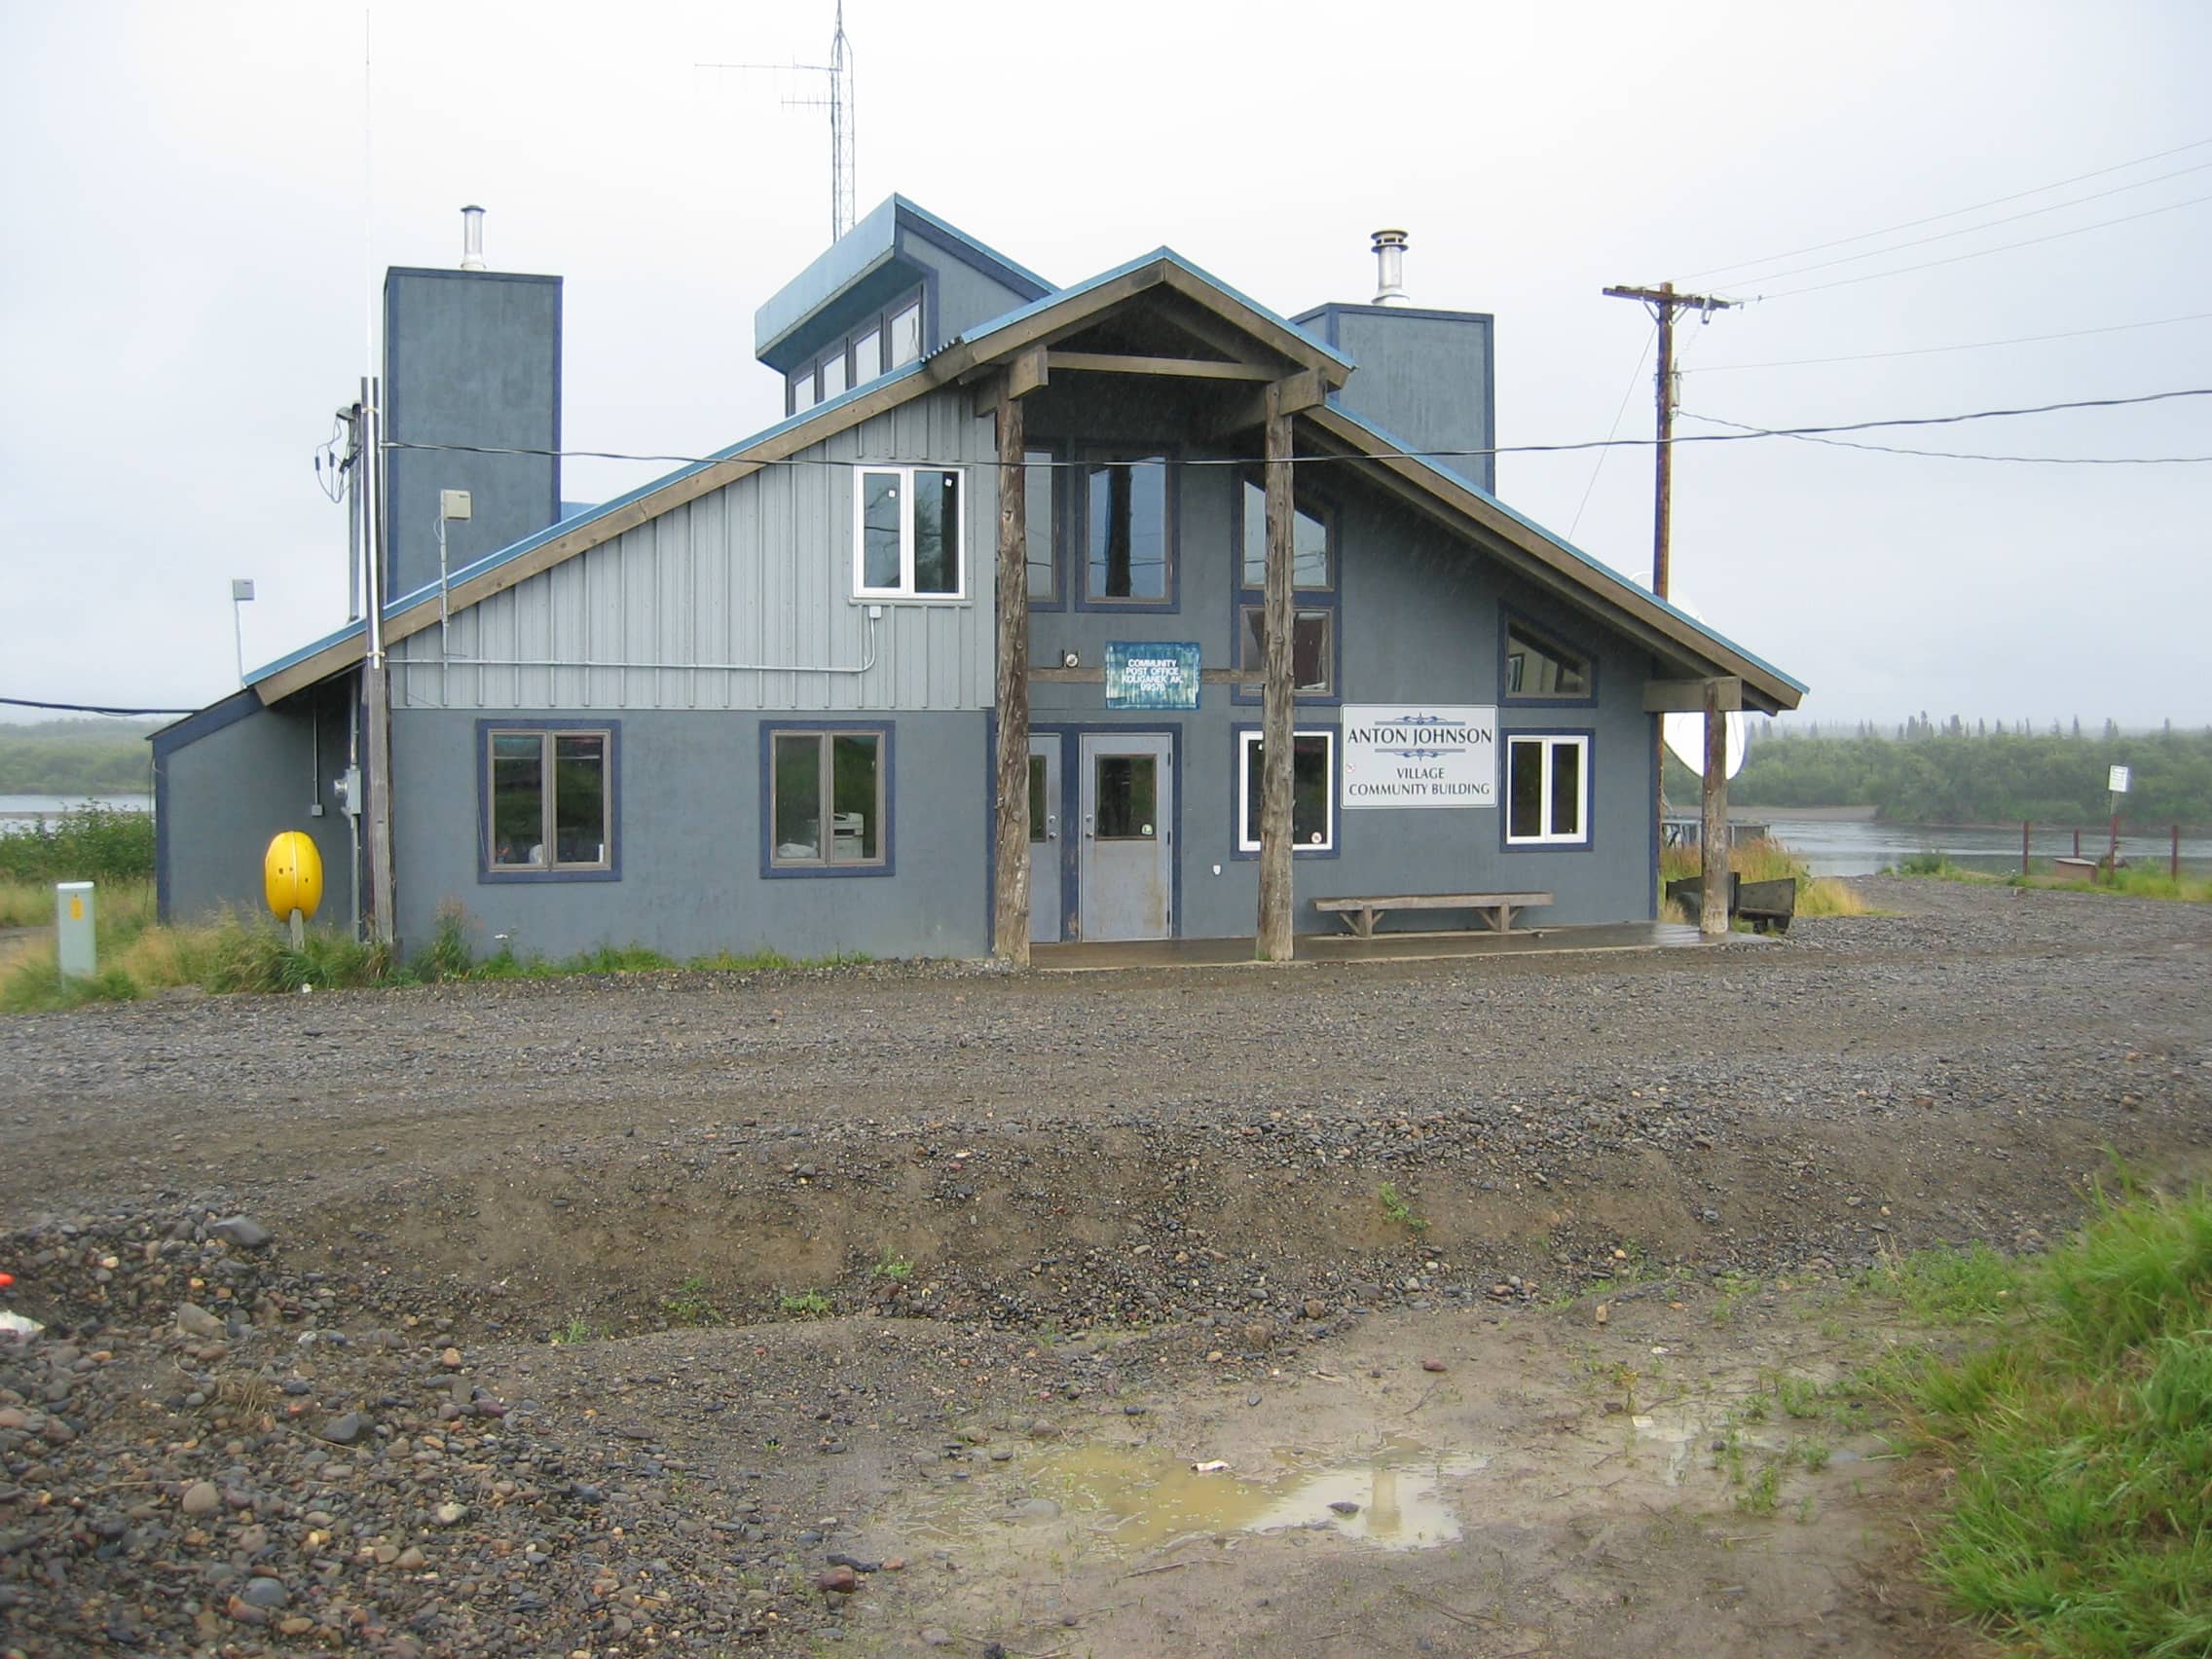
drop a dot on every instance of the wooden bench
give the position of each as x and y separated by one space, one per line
1497 909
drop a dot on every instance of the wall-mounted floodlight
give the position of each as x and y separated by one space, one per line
241 594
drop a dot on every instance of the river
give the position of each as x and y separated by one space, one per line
23 808
1846 847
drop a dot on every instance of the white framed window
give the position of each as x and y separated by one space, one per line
1547 790
1312 791
908 533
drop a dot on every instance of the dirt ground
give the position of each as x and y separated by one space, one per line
681 1287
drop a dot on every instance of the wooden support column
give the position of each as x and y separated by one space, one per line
1713 839
1010 933
1273 941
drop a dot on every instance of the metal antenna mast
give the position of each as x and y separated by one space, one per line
844 153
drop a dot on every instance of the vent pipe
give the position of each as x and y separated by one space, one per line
1390 268
472 238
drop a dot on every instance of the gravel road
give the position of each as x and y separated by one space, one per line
1247 1157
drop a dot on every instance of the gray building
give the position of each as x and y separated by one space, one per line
752 704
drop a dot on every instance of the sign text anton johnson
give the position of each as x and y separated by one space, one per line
1434 756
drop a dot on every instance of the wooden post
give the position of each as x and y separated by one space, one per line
2024 828
1273 941
1712 913
2173 861
1010 941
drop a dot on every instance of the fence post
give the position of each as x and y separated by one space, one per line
2025 849
2173 862
2077 843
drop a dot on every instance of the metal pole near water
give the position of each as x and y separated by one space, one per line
73 939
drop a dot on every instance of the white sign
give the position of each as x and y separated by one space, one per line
1419 754
2118 783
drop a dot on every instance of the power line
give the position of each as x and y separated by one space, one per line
1955 212
1628 391
1971 230
88 707
1985 252
1960 455
1968 345
990 463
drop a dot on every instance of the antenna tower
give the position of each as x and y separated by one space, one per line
837 99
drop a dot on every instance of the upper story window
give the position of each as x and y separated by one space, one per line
1128 533
907 533
1041 496
1542 669
877 344
1314 620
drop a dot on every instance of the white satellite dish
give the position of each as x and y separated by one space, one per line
1686 733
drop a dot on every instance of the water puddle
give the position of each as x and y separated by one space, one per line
1392 1496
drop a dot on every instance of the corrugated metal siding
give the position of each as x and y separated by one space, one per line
759 571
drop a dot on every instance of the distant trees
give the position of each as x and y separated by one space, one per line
1947 774
75 759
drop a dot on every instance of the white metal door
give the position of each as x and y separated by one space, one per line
1127 869
1044 839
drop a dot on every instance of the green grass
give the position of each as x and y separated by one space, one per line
1399 1210
688 1304
2081 1431
86 843
804 1303
2151 879
576 1331
893 1266
232 953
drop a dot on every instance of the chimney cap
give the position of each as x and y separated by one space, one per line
472 237
1390 268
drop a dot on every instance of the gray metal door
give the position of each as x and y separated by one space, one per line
1044 840
1127 855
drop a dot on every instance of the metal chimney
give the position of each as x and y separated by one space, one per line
472 238
1390 268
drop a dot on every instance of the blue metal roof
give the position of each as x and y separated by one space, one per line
869 245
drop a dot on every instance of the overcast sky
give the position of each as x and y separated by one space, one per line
194 229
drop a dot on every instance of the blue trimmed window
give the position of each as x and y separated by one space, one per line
1313 653
1042 495
1312 791
1127 521
828 794
1539 669
1547 790
550 802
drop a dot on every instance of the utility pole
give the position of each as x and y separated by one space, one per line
1665 302
1712 862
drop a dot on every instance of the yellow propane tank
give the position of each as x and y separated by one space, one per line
292 875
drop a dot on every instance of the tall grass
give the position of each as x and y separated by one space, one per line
2081 1436
2147 880
1762 858
232 954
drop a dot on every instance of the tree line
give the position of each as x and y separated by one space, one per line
75 759
1930 772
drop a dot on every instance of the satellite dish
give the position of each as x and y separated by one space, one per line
1686 733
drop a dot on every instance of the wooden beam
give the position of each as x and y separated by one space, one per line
1187 368
1712 849
1028 373
1010 941
1272 942
1688 697
1291 395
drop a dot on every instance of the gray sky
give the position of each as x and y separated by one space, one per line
194 238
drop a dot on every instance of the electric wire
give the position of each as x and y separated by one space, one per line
1957 455
1642 357
1247 463
1971 230
87 708
1953 213
1968 346
1985 252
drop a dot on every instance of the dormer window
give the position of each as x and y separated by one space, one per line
1539 669
883 340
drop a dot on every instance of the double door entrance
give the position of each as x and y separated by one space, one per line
1102 853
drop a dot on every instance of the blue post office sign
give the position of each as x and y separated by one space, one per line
1151 674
